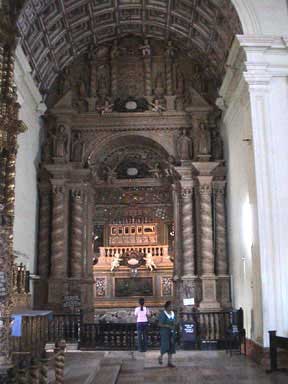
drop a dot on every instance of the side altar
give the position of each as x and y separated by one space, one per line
135 263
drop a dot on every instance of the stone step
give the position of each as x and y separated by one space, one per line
107 374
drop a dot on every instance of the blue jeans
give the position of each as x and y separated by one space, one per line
142 336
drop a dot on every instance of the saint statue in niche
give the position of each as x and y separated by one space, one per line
146 48
115 52
204 143
170 50
60 141
77 149
184 146
47 148
180 82
217 145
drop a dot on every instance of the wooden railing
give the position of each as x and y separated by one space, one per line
275 343
34 336
35 371
65 327
160 250
211 330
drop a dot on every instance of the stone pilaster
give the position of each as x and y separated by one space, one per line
76 233
209 295
222 267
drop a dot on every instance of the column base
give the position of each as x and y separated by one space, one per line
81 287
209 293
223 291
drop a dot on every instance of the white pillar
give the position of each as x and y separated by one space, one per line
266 74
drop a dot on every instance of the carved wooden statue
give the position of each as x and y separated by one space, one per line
150 264
204 144
184 146
60 142
77 148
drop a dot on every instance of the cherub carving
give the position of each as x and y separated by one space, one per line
150 264
116 260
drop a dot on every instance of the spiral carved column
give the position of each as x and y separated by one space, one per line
58 267
177 241
222 268
44 231
169 77
10 127
148 76
207 256
187 231
209 300
220 219
76 234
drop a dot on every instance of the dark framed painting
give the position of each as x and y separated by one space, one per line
139 286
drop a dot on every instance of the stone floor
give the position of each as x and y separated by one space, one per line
213 367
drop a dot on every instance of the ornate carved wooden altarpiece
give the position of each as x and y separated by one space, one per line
132 181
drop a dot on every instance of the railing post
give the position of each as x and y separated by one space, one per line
59 361
34 372
273 351
12 376
22 373
43 374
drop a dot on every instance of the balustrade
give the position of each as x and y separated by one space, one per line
160 250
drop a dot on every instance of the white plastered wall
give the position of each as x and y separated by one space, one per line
242 213
25 224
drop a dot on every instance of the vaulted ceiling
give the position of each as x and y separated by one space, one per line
54 32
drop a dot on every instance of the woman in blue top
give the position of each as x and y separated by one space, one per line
167 324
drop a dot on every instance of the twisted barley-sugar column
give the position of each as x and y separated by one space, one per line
169 79
220 219
59 362
44 231
5 297
113 78
187 231
58 233
76 233
148 76
34 372
177 231
207 256
10 176
3 162
93 80
43 374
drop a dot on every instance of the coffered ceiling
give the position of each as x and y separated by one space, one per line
54 32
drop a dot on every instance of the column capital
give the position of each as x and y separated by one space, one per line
219 187
205 168
58 189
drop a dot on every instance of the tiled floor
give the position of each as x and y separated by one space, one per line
195 367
